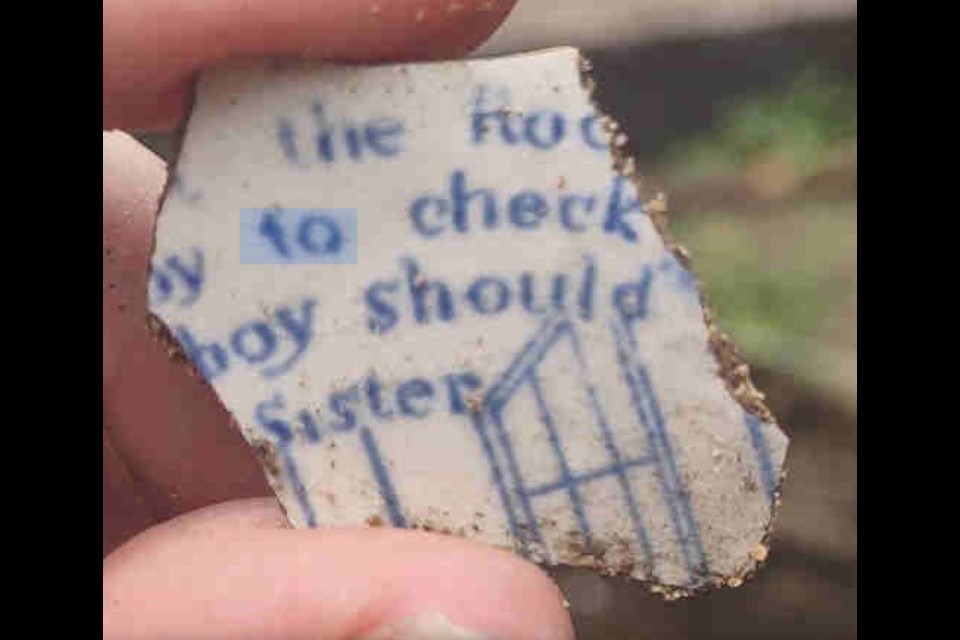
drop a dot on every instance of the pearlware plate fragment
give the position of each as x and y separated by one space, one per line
433 297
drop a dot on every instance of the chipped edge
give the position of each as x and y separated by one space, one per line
734 372
157 328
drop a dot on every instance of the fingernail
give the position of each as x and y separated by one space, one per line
425 626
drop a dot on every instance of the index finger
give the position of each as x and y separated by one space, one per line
152 48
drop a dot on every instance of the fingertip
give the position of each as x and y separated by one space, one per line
434 29
163 422
231 572
132 181
473 588
152 49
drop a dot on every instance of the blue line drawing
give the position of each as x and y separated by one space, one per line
596 474
566 478
381 474
527 530
619 466
387 491
290 467
764 457
523 375
645 403
496 477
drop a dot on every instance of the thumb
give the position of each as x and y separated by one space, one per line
235 571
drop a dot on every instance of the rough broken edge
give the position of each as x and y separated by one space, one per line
733 370
264 451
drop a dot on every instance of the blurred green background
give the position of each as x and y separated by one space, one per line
745 116
777 254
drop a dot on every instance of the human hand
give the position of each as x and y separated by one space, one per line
235 570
